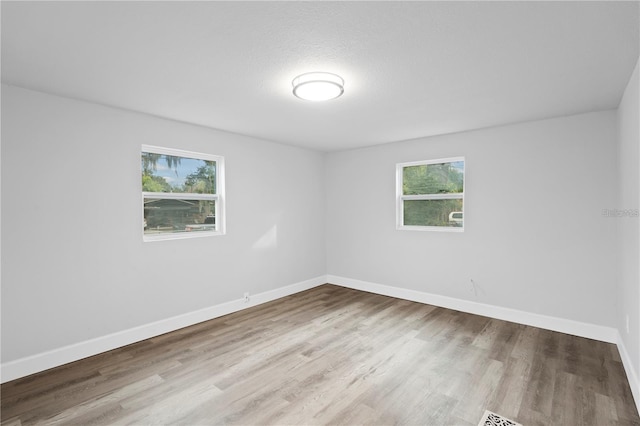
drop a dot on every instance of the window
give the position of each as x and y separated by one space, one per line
182 194
430 195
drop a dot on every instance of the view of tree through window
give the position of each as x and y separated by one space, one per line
432 193
179 193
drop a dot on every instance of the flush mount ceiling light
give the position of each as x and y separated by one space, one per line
318 86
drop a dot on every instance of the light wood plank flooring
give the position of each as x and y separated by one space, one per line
332 355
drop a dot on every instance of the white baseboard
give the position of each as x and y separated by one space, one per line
56 357
632 375
576 328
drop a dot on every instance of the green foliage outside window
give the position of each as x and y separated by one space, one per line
436 182
446 178
179 194
431 212
201 180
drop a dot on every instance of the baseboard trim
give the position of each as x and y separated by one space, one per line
632 375
576 328
40 362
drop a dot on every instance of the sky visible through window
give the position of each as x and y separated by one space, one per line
180 193
176 177
458 165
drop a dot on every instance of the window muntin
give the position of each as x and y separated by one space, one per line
182 193
430 195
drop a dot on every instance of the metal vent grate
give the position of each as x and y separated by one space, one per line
492 419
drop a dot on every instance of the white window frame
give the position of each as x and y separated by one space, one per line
400 198
218 197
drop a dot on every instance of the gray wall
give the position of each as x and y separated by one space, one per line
74 266
628 229
535 239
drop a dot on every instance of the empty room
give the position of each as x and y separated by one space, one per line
297 213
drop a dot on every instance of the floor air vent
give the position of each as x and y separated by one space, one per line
492 419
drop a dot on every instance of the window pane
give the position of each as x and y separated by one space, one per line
444 178
167 216
168 173
433 213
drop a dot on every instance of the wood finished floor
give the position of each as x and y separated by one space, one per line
332 355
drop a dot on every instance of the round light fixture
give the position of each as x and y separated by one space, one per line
318 86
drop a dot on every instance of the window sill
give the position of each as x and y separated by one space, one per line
179 236
431 228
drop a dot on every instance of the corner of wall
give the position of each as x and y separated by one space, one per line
628 231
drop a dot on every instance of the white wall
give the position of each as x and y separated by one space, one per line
535 239
74 266
628 228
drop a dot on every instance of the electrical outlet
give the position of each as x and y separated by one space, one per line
246 297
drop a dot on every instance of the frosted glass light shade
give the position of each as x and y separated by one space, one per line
318 86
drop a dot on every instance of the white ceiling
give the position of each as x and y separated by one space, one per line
412 69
